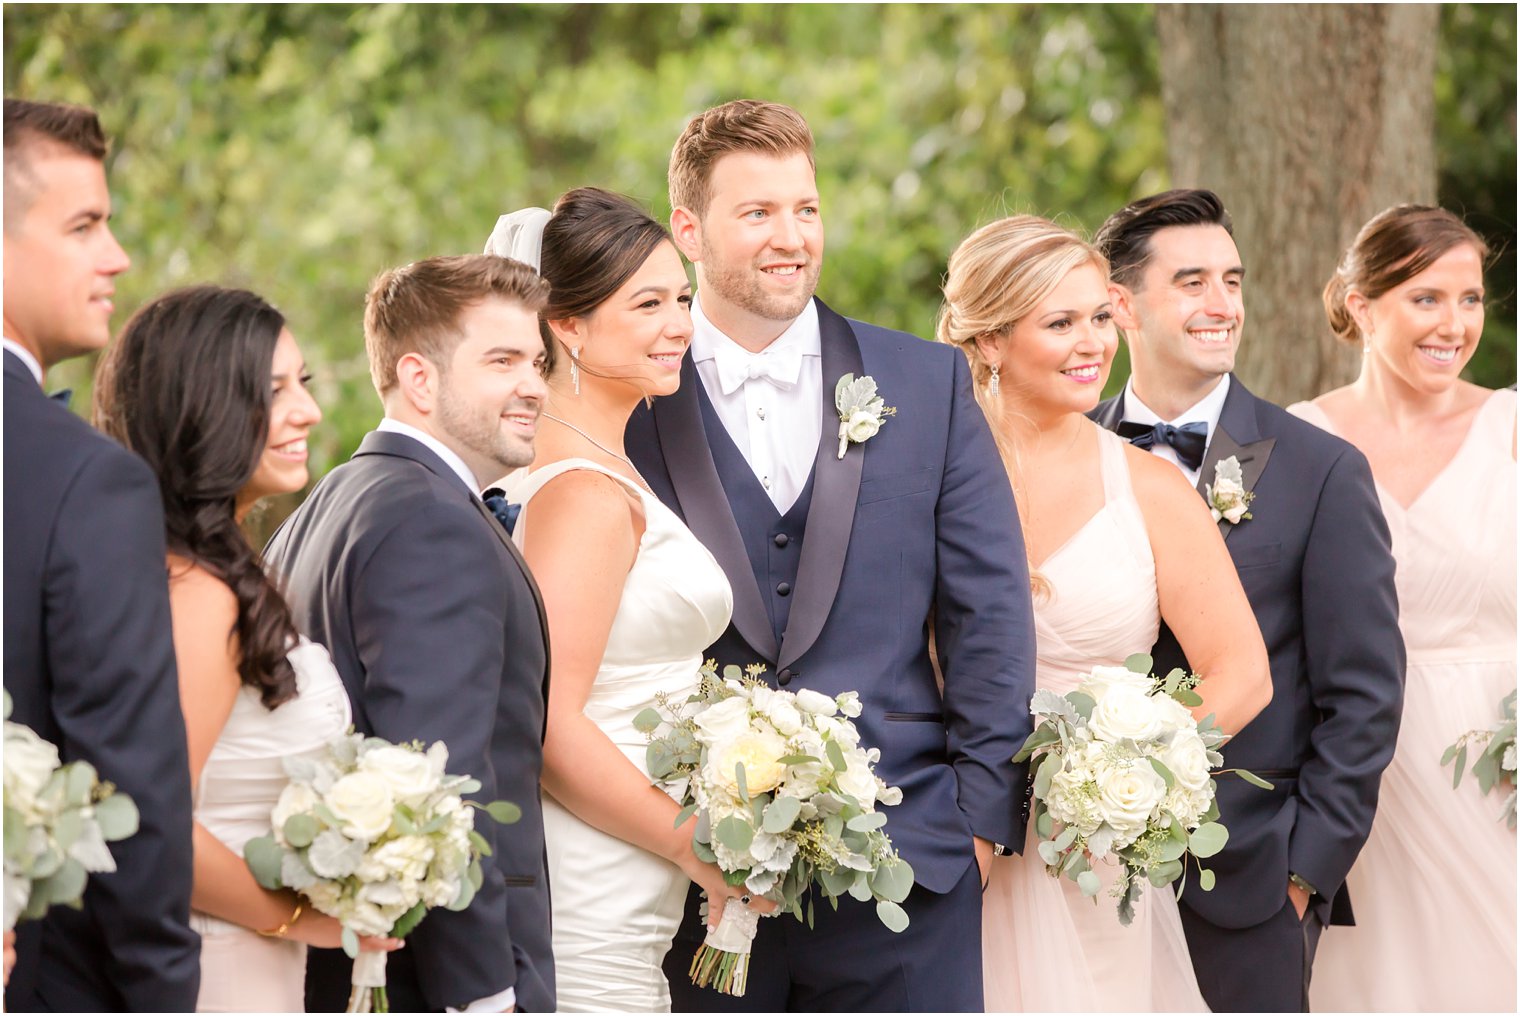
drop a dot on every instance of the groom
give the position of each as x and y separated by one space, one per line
1314 557
398 568
845 558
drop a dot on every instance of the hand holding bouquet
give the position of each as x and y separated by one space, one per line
1124 772
375 834
1495 764
785 800
58 820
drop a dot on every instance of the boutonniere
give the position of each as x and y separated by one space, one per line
1227 495
861 410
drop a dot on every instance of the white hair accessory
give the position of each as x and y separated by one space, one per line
519 235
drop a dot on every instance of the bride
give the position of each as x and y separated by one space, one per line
1117 541
632 597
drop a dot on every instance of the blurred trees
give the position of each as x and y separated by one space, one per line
300 149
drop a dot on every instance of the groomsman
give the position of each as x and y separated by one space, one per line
845 557
396 565
1314 558
89 657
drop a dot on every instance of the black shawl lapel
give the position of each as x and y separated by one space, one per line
836 485
1239 434
704 505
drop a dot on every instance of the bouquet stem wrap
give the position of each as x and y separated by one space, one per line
722 961
369 984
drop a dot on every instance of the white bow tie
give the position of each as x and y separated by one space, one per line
781 367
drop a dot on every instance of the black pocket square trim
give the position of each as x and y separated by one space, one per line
916 717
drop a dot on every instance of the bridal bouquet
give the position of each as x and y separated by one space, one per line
1495 764
1124 773
375 834
58 820
785 800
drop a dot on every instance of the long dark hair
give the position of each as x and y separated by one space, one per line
187 387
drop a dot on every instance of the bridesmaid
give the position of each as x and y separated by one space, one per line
209 387
1409 291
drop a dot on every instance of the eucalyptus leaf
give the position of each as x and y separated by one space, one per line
1139 663
892 915
1163 771
1082 703
1253 779
350 943
836 882
263 857
300 830
1043 775
469 786
702 851
1208 839
66 829
797 760
66 885
860 888
742 783
81 781
1089 883
1461 765
684 814
408 921
117 816
867 821
734 833
893 880
481 845
647 720
504 812
1206 879
1188 697
836 756
781 813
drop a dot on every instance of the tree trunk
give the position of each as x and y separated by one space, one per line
1307 120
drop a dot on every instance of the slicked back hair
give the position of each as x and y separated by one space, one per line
744 125
1125 238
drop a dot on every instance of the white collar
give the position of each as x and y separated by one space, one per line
435 446
1205 410
26 357
801 337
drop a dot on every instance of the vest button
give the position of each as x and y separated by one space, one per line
785 677
781 539
783 588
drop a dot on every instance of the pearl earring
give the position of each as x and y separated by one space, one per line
994 385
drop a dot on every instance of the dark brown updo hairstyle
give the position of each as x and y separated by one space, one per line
1393 247
592 244
187 387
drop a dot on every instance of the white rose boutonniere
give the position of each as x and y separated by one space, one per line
861 410
1228 497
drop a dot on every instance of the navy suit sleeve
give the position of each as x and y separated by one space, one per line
428 626
984 625
115 698
1355 664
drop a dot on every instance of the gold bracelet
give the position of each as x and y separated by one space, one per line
282 929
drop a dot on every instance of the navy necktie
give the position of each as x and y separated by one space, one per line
1188 440
63 397
505 513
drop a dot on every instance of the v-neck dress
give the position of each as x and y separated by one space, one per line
1045 946
1434 887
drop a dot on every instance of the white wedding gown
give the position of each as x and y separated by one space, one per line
242 971
1045 946
616 907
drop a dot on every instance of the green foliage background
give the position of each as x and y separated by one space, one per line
298 150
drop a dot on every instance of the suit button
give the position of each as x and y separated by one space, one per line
781 539
783 588
785 677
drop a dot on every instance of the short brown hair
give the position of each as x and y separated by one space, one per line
27 124
416 308
744 125
1394 246
1125 238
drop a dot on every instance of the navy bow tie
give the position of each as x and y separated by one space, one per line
1188 440
63 397
505 513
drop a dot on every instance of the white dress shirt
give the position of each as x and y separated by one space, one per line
1206 410
770 402
502 1001
12 346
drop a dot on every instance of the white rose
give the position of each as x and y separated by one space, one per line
817 703
295 799
405 857
862 425
857 780
1128 792
724 720
849 704
1097 684
1234 513
362 802
759 752
29 762
367 919
325 896
784 717
1125 711
411 775
840 730
440 892
1188 760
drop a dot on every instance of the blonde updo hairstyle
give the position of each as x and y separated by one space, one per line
1393 247
997 277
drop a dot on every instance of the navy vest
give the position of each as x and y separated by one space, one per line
772 540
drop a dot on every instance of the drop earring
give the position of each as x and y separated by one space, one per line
575 370
994 383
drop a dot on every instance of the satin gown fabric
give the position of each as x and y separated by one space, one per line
242 971
1435 884
1046 947
616 907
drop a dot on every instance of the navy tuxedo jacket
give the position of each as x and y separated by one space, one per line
89 664
438 631
914 526
1316 563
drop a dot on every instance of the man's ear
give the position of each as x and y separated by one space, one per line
417 382
1124 310
686 230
